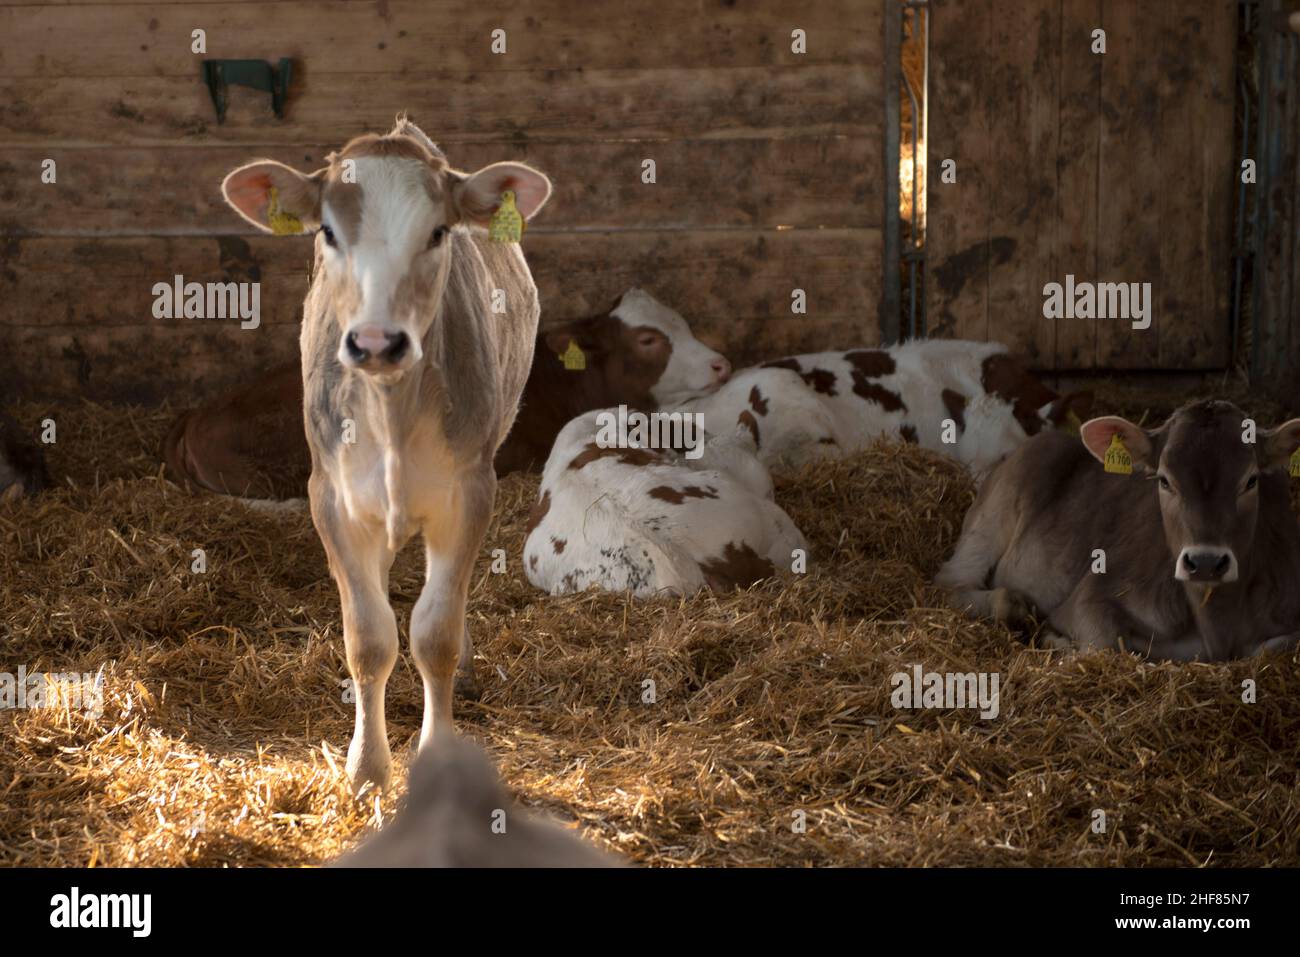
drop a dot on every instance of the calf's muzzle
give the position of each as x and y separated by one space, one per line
1206 564
375 348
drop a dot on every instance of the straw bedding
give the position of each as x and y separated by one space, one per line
224 724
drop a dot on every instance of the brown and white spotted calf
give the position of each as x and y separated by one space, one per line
825 405
1195 555
250 441
411 382
652 521
641 354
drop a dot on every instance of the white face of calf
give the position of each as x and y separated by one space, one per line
662 337
382 210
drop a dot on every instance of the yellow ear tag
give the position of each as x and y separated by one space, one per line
1118 461
1295 464
506 225
575 360
282 224
1073 423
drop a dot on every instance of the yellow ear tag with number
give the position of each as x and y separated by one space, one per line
1295 464
506 225
282 223
1118 461
575 360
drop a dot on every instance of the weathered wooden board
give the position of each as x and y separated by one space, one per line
144 363
715 101
396 36
734 287
959 248
816 181
1196 127
1077 162
1135 170
48 282
1024 99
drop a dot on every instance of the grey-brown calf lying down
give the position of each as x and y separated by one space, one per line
458 815
1199 545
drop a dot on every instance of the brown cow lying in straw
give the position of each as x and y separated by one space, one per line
1193 553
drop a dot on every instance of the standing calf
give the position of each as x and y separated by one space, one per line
410 381
1200 546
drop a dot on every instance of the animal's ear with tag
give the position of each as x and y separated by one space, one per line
587 334
1281 446
476 197
1118 444
276 198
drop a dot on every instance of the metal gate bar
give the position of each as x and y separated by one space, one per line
898 256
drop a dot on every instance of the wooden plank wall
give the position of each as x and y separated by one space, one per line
1113 167
768 165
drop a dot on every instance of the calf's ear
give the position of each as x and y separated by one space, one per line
476 197
1097 434
585 332
1280 444
275 198
1059 410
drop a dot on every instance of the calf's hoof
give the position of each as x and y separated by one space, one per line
1050 640
466 686
1011 608
1280 645
369 771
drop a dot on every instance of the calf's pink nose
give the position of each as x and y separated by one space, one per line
372 339
721 369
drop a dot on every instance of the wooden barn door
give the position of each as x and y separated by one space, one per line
1113 167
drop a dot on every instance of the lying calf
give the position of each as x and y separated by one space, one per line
969 400
22 462
457 814
654 521
1192 555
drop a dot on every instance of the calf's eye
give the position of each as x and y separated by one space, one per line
329 235
1252 482
1164 484
436 238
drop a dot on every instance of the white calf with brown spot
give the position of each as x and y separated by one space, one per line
972 401
411 382
653 522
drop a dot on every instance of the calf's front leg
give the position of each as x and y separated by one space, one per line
439 634
359 560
